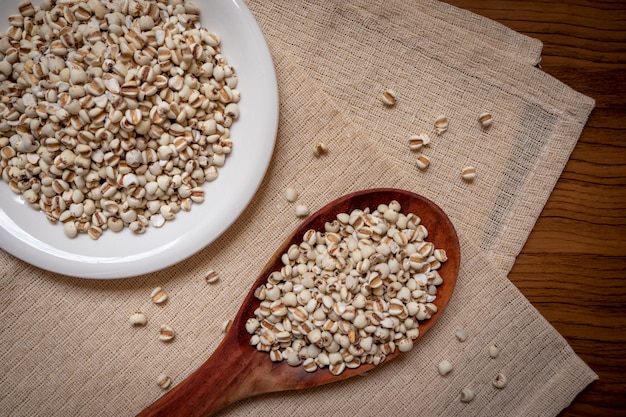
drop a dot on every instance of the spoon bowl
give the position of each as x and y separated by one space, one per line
237 370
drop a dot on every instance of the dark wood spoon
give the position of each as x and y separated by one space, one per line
236 370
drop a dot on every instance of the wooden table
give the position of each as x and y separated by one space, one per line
573 266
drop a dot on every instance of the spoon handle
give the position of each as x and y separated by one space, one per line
237 370
224 378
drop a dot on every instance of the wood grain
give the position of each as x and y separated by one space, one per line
573 266
236 370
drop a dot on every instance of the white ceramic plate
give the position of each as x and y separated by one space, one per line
25 232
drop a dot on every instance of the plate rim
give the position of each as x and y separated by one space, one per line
105 268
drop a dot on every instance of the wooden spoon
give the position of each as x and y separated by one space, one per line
236 370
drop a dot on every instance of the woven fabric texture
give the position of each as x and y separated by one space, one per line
537 119
68 348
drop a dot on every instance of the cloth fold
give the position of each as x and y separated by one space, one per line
68 347
537 119
458 26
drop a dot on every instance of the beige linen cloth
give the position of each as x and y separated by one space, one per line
67 347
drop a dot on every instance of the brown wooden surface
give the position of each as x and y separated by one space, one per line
573 267
237 370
